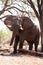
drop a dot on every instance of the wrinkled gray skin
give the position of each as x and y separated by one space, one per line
30 32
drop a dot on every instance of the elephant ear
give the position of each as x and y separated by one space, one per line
27 23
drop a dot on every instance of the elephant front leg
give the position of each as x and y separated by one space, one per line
20 46
15 44
12 39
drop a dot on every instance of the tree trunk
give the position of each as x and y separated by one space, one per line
41 25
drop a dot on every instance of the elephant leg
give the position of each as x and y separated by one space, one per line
30 46
36 45
21 45
15 44
12 39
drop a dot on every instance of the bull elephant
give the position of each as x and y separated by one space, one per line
23 29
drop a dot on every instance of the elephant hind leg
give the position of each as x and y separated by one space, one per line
36 43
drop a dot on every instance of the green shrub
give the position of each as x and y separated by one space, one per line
4 35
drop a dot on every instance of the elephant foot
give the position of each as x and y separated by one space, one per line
41 50
13 53
36 50
20 50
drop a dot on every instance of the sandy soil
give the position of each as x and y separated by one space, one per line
20 60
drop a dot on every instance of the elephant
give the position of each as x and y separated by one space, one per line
23 29
29 36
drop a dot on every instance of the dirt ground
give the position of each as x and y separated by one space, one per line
20 60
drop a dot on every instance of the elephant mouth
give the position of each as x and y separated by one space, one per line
9 26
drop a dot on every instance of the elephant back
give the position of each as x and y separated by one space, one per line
26 23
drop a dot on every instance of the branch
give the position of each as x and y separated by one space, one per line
33 7
18 5
10 3
39 6
17 9
9 11
25 3
4 17
5 5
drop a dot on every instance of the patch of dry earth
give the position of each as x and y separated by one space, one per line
20 60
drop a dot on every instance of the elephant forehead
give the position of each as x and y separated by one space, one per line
8 21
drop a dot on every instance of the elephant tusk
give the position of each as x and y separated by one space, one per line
21 27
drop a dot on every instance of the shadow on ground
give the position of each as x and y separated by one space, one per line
21 52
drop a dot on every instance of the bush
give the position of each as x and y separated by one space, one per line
4 35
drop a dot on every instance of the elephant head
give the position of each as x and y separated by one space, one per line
22 23
13 22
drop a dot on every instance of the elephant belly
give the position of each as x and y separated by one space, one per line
27 35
